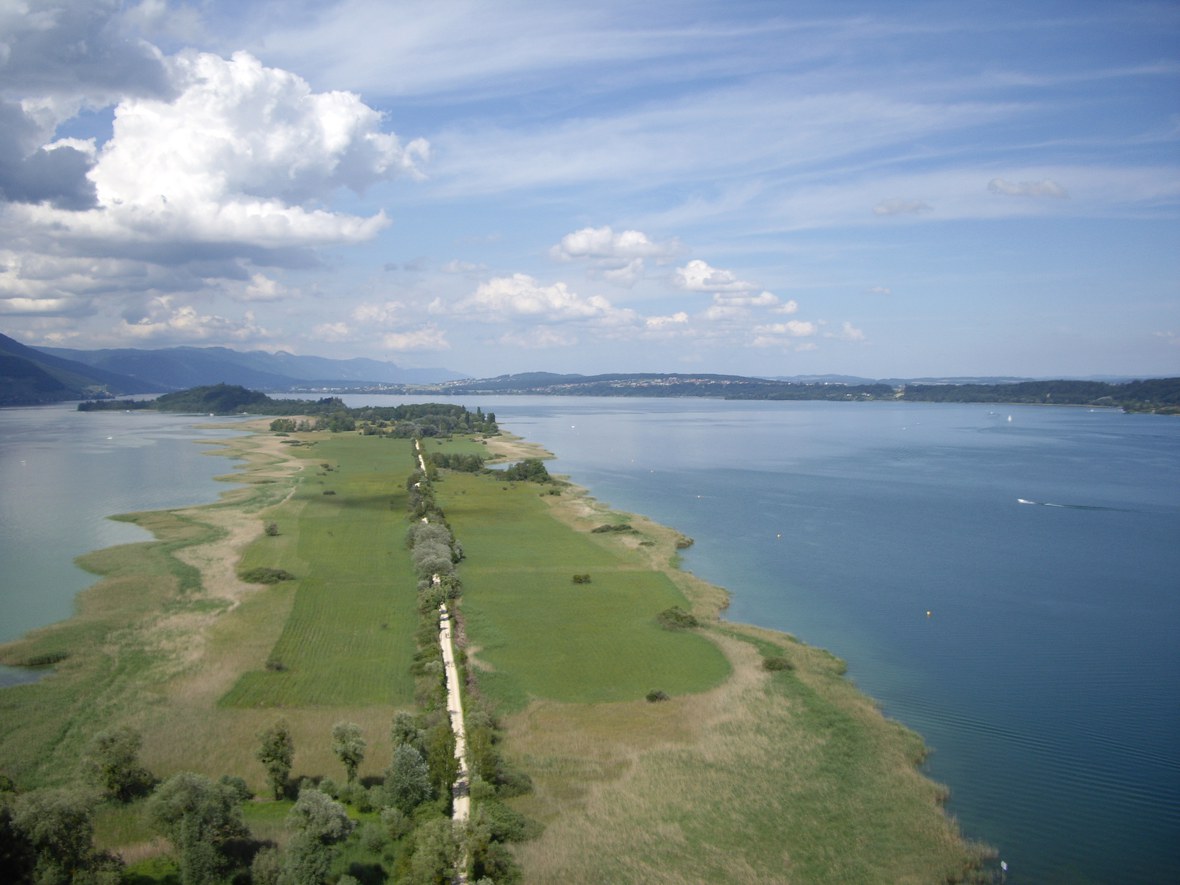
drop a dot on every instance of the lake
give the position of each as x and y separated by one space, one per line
1001 579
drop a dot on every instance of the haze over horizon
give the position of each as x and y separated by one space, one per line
882 190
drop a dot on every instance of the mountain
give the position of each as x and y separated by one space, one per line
179 368
30 377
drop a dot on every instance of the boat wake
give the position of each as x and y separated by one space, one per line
1071 506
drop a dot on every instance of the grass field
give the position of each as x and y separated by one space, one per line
543 636
349 637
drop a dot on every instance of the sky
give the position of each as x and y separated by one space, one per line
881 189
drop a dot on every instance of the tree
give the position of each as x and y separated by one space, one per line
276 753
111 763
528 470
405 730
436 852
407 780
318 823
58 827
349 746
200 817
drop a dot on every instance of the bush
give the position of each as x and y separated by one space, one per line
265 575
656 695
676 618
621 527
581 579
777 662
528 470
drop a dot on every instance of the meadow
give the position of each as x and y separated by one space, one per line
349 637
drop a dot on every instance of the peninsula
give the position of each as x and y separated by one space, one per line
617 727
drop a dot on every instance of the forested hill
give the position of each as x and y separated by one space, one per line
329 413
1156 395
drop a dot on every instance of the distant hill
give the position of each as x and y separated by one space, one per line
30 377
1154 395
660 384
179 368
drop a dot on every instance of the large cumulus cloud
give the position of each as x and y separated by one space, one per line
205 168
243 153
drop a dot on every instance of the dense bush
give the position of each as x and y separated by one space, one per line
528 470
676 618
265 575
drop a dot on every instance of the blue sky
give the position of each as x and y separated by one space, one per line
768 188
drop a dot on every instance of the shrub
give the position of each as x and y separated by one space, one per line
272 529
528 470
581 579
676 618
777 662
621 527
656 695
46 659
265 575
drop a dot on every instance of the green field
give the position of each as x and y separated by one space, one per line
349 639
542 635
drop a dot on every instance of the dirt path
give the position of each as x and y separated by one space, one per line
462 799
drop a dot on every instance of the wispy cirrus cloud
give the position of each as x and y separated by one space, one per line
1043 188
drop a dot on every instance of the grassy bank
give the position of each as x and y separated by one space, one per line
743 774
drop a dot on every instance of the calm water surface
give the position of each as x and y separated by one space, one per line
63 472
1005 587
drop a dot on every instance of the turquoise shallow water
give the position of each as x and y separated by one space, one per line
1045 549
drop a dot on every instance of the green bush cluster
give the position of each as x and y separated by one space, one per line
265 575
676 618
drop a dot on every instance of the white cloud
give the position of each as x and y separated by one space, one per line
901 206
618 258
698 276
787 307
848 332
384 314
163 320
333 332
243 154
426 338
774 333
680 318
764 299
520 295
263 288
1044 188
880 290
603 242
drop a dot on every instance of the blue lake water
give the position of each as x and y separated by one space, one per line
1002 579
62 473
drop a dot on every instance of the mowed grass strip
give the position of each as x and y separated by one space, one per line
349 639
544 636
